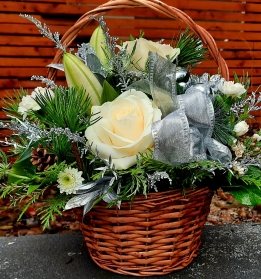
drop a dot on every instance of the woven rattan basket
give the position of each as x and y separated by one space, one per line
160 233
154 236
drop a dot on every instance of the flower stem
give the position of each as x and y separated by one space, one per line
76 155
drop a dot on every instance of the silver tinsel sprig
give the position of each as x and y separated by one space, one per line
244 163
252 103
50 83
9 142
83 50
23 128
250 161
111 42
74 137
157 176
45 31
34 132
108 165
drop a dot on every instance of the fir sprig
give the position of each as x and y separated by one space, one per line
4 165
224 123
68 109
191 48
11 103
50 208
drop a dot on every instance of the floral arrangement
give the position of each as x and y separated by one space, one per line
133 115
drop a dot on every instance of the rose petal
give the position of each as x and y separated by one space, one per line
143 47
126 118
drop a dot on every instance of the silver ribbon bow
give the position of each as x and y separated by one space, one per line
184 133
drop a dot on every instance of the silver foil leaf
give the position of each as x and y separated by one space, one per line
82 200
89 192
56 66
93 62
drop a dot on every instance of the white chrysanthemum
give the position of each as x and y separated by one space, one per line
69 180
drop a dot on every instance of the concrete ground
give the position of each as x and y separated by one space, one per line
227 252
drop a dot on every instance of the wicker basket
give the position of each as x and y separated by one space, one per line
160 234
153 236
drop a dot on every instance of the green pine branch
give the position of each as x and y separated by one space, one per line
52 207
191 48
11 102
68 109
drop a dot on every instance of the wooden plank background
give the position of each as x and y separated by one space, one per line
235 25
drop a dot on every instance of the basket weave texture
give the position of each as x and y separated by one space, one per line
152 236
158 6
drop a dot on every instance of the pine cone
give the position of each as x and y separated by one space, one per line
42 159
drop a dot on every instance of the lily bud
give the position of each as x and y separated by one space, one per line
78 74
98 43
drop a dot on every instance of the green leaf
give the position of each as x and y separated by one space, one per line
22 169
32 188
245 194
108 93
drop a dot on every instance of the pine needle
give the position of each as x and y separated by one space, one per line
191 48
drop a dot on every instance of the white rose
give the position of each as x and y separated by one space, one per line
231 89
241 128
28 102
143 47
125 128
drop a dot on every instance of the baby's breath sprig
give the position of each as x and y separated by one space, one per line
252 103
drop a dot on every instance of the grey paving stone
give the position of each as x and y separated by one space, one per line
227 252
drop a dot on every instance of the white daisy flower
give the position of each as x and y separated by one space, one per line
69 180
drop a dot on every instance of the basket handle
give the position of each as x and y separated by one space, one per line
156 5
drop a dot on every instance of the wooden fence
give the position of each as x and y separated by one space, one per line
234 24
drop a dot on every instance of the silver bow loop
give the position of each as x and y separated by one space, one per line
162 81
175 142
217 151
199 110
